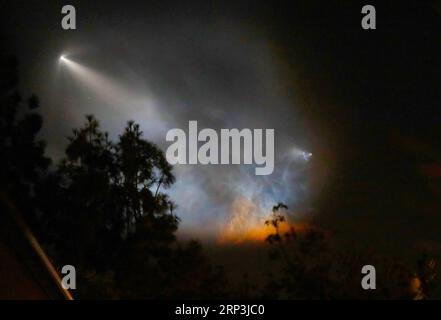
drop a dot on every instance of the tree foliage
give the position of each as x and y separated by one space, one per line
22 162
311 268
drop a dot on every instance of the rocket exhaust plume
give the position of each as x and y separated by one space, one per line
246 224
119 100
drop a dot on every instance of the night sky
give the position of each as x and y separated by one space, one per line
366 104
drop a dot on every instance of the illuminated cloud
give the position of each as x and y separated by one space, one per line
222 82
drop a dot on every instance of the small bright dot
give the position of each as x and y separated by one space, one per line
306 155
63 58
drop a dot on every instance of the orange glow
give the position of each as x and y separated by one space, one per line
259 233
247 224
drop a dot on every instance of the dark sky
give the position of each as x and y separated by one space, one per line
366 104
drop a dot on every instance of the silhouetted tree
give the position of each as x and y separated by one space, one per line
22 160
106 214
104 191
312 269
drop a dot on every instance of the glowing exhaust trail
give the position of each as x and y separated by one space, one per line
99 83
122 101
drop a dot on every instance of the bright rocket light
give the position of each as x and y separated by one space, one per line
297 153
98 83
118 99
306 155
